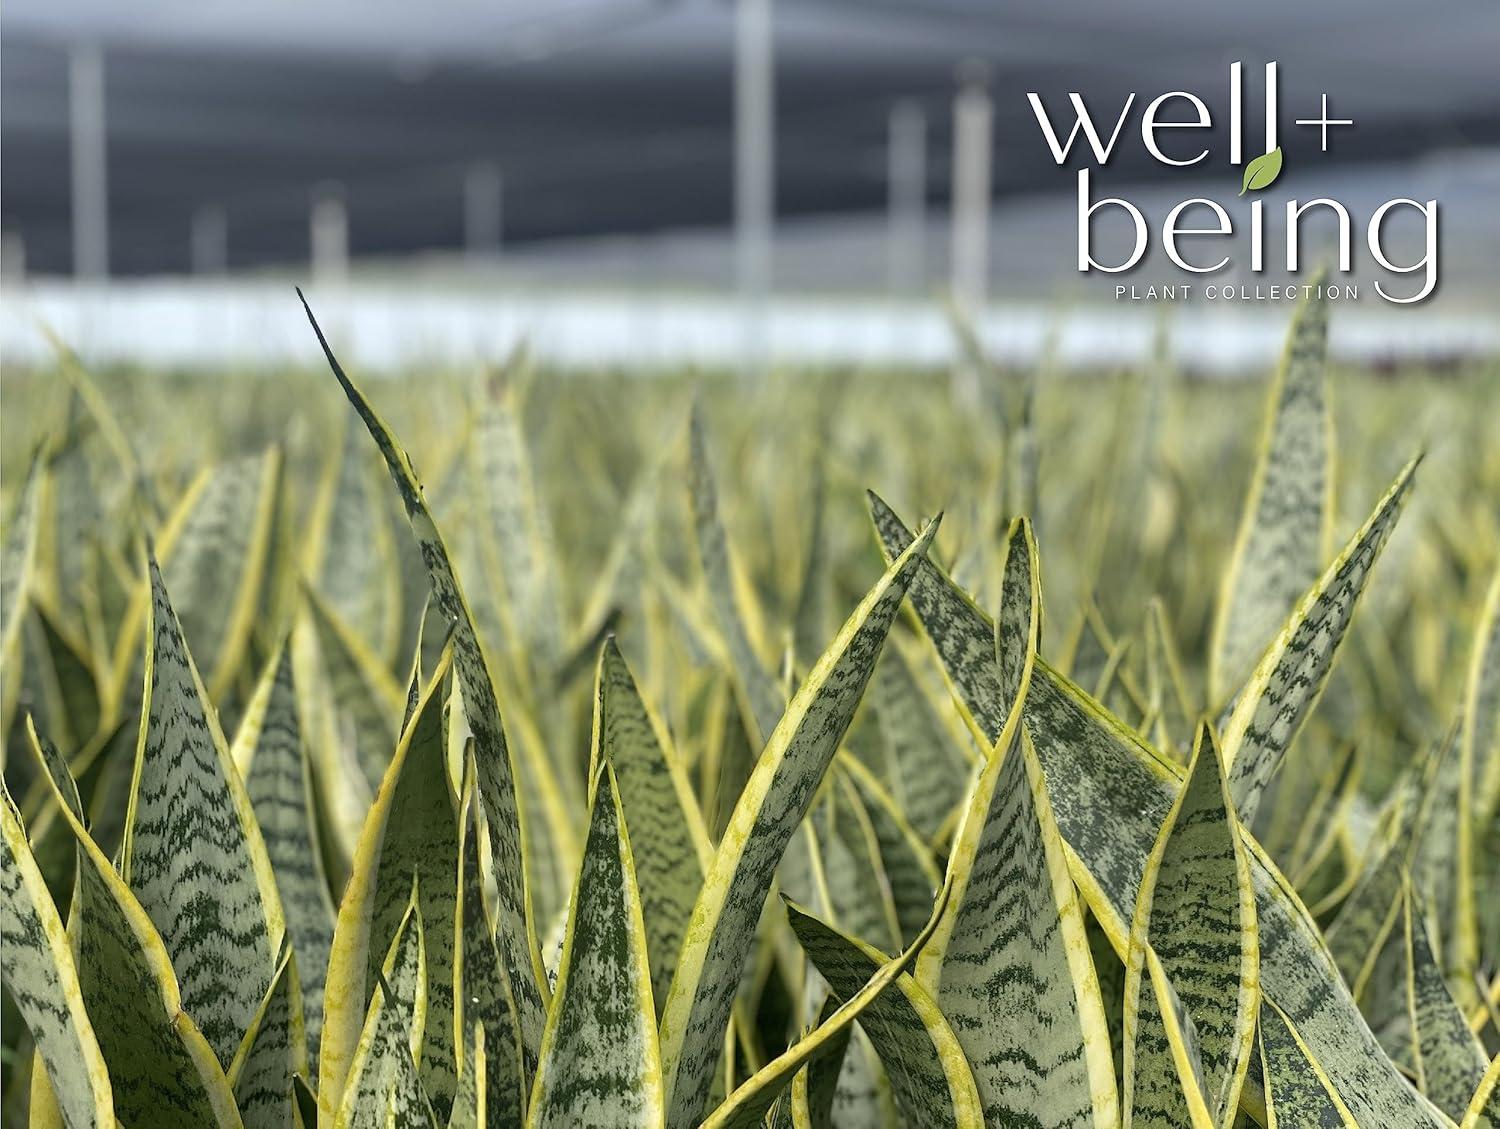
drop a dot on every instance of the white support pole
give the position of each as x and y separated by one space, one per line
754 175
90 162
483 201
906 180
970 255
209 240
329 234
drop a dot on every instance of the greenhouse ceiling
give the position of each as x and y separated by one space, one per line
614 116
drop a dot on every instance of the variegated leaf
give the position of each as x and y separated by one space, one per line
193 853
1479 780
271 755
1016 979
497 771
412 830
926 769
1289 509
668 839
1298 1089
1483 1111
42 979
762 698
273 1053
1195 914
1110 793
929 1074
721 930
162 1072
1270 709
603 993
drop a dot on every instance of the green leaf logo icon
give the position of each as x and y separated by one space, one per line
1262 172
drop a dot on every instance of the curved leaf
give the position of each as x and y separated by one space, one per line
42 979
1298 1089
777 795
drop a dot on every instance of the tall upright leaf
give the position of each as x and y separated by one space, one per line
763 700
775 798
272 756
1195 914
497 771
162 1071
668 840
1289 678
412 830
603 993
1298 1089
193 853
1289 508
273 1053
1479 779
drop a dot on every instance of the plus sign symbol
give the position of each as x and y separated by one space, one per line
1323 121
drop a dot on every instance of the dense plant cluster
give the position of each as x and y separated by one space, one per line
338 795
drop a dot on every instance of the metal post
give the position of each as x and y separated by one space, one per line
483 200
906 175
89 158
754 174
329 234
210 240
972 115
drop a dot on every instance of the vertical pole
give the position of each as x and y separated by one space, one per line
483 201
12 257
906 175
970 237
754 175
972 115
329 234
209 240
89 159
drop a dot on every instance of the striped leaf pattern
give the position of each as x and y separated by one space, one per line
42 979
929 1074
1298 1090
162 1072
273 1053
1110 794
668 839
1018 951
1288 510
411 833
603 993
1195 915
1286 684
269 751
214 901
721 930
497 772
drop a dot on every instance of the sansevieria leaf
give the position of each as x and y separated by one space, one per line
273 1053
193 854
384 1087
40 975
930 1076
1484 1107
1289 509
162 1072
667 837
1479 780
270 753
1285 686
1298 1089
603 994
762 698
496 768
1195 914
412 830
721 931
1110 794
